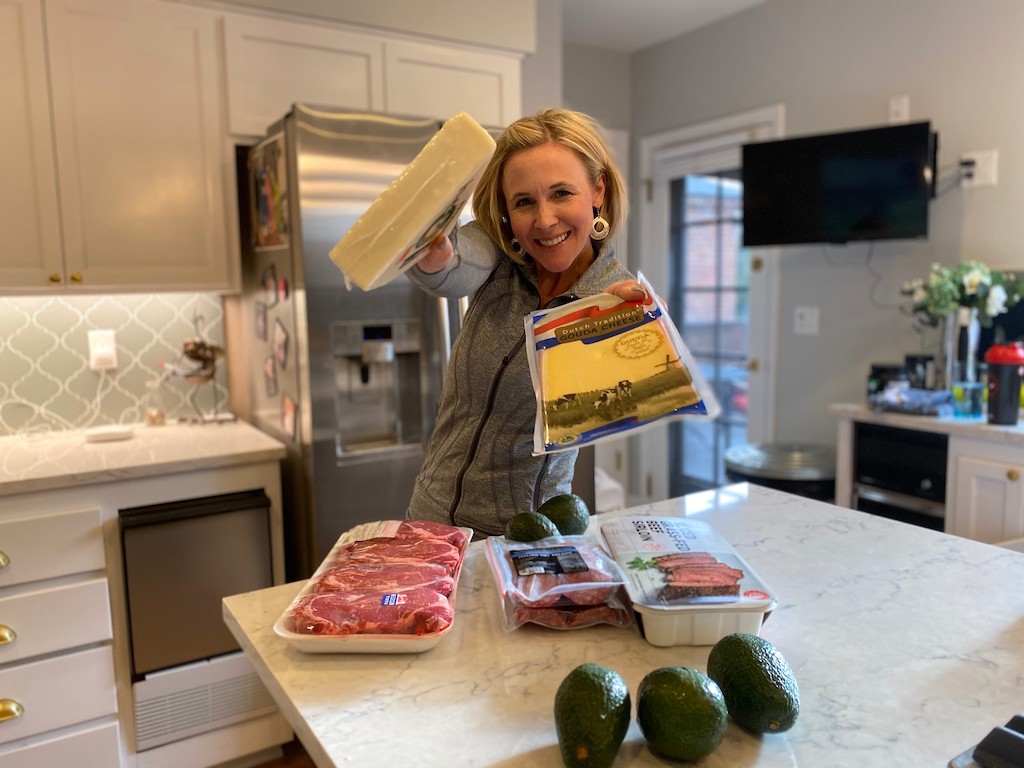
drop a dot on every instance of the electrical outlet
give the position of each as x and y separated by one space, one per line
899 109
806 321
102 350
984 173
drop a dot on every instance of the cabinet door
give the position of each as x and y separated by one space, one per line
136 104
272 64
436 81
30 253
989 503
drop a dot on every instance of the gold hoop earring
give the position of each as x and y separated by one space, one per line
600 228
515 246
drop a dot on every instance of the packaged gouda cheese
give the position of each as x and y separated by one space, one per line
602 366
423 202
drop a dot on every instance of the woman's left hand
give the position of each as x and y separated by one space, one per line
627 290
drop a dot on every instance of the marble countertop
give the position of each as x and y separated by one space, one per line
52 460
978 429
908 645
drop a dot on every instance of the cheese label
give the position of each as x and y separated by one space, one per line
602 366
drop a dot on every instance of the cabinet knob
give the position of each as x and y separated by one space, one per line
7 635
76 277
4 559
54 278
10 709
1012 475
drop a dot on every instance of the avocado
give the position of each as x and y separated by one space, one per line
529 526
568 512
592 709
760 688
681 713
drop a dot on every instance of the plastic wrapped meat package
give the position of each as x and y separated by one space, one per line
560 582
386 587
602 366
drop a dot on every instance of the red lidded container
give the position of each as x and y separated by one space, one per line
1005 370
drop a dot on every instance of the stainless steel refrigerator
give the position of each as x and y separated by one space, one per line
348 379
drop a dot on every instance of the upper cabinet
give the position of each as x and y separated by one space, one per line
117 137
30 249
437 81
139 139
272 64
125 142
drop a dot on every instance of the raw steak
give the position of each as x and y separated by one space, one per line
415 612
389 577
394 551
427 529
575 617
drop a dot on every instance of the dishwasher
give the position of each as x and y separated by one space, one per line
900 474
180 559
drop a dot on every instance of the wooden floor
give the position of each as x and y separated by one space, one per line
294 757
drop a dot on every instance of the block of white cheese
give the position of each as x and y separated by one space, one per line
425 200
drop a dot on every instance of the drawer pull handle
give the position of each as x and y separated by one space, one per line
10 709
7 635
4 559
1012 475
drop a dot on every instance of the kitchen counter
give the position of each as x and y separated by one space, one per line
908 645
947 425
53 460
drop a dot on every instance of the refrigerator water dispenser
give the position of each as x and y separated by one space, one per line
377 385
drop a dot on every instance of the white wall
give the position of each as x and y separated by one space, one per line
834 64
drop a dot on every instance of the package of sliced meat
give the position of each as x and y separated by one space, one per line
385 587
603 367
562 582
687 584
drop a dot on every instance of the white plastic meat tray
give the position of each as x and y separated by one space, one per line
362 643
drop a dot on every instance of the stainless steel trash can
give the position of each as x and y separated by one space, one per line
804 469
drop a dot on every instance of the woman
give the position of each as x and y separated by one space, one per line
545 205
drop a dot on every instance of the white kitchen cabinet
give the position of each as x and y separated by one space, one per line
438 81
986 487
55 673
140 162
30 254
272 64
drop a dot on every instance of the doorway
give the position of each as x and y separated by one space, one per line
709 299
721 296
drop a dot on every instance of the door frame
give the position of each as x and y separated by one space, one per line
665 156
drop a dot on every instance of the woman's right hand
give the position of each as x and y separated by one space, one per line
438 257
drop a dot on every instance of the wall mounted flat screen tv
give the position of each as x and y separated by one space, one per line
871 184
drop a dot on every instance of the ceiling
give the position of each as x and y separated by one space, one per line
628 26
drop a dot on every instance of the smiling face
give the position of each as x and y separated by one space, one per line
551 205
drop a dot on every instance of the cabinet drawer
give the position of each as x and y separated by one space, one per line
45 546
54 619
58 692
92 748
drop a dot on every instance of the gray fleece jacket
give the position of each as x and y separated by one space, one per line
479 469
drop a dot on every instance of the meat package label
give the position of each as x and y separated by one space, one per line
394 599
554 560
675 562
602 366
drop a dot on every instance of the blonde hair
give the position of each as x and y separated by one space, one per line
573 130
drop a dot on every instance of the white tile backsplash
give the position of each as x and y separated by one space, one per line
45 379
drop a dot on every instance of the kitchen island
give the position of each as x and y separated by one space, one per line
908 645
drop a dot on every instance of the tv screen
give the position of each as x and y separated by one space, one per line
871 184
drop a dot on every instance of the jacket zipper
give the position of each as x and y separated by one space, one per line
478 432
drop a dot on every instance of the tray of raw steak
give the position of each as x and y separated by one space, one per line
385 587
